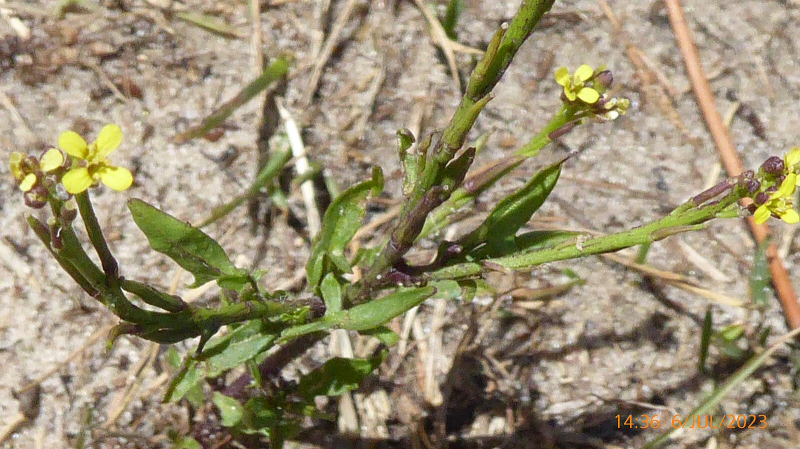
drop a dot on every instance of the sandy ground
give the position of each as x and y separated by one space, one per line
554 374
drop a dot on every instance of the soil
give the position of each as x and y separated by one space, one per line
515 371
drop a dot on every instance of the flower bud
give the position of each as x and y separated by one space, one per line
773 166
68 212
36 197
603 80
750 184
761 198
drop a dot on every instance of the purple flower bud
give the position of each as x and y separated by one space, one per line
35 198
773 166
604 79
751 184
68 213
761 198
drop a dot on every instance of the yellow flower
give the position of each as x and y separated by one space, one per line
575 86
24 169
791 160
94 165
779 203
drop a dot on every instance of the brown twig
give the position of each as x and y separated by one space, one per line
722 140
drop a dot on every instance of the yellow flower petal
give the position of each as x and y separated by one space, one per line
73 144
117 178
583 73
51 160
570 94
108 140
14 162
761 214
588 95
787 187
790 216
562 76
27 182
77 180
792 158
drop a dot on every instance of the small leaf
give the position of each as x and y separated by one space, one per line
237 347
187 443
454 8
379 311
337 376
468 289
499 229
187 245
760 277
229 409
331 293
184 381
385 335
339 225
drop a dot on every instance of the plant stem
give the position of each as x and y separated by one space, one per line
427 193
95 232
687 220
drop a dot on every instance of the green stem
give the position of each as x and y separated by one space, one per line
485 177
687 220
427 194
95 232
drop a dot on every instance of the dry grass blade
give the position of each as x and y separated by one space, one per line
327 51
448 46
209 23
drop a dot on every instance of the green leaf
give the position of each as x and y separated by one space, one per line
187 443
229 409
185 380
187 245
450 19
339 225
380 311
237 347
337 376
331 293
385 335
499 229
536 240
274 72
760 277
364 316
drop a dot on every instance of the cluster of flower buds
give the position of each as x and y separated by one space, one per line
37 177
775 195
586 89
52 175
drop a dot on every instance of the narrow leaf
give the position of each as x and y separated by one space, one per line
500 227
209 23
379 311
760 278
274 72
183 382
188 246
339 225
